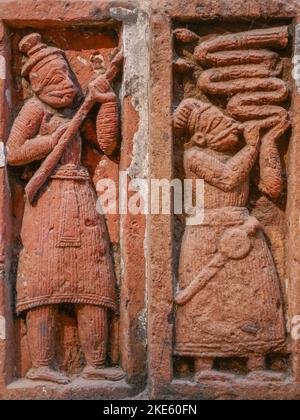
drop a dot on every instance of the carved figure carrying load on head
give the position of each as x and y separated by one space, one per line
66 251
230 304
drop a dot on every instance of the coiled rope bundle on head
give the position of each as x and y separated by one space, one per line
242 69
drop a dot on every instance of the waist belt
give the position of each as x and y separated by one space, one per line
71 172
226 216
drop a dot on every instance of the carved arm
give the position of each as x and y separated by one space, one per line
23 147
270 163
225 176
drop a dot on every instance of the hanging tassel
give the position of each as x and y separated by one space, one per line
108 127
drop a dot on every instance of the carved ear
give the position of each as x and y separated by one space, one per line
35 82
199 139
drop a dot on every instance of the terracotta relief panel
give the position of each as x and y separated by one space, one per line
67 284
199 300
61 235
232 129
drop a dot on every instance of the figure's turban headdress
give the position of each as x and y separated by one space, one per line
200 117
39 54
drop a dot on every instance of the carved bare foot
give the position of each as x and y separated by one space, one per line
47 374
104 374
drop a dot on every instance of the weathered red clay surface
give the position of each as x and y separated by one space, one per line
149 306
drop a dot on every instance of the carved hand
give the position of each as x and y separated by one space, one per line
277 131
57 135
252 133
99 90
277 125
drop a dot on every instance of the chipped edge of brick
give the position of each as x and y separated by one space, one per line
2 155
136 81
136 35
2 67
2 328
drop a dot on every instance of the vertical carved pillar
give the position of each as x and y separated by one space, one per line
293 211
160 270
134 167
6 346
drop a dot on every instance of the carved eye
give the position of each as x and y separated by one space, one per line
215 124
199 139
56 80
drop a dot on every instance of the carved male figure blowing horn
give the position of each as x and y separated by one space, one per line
65 256
229 303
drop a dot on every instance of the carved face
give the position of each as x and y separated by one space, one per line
217 131
53 84
226 137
